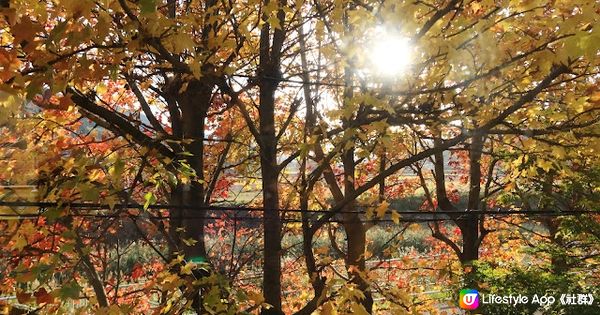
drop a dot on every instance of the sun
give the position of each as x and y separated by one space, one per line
390 55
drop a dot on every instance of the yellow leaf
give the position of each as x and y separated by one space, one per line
20 243
381 209
595 97
182 41
187 269
167 308
256 297
101 89
396 217
328 309
274 22
545 165
358 309
559 152
189 241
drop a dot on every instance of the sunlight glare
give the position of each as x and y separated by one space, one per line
391 55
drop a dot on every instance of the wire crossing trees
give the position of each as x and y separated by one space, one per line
140 104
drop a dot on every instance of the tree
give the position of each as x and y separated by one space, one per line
193 97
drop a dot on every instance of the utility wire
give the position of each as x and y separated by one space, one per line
418 215
241 219
248 219
100 207
302 82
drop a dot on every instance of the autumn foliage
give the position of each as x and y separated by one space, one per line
255 157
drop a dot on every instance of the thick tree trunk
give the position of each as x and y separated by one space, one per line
470 234
175 219
316 280
269 74
194 103
270 178
270 52
271 218
470 226
355 234
355 257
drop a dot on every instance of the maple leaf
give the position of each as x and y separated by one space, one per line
189 241
137 272
23 297
188 268
382 209
25 30
396 217
42 296
147 6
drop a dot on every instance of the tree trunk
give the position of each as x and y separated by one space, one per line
270 177
316 280
194 103
271 42
355 234
470 226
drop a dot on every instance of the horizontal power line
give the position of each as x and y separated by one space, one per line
242 219
288 80
100 206
432 216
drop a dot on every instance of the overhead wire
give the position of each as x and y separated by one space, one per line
416 215
101 206
245 218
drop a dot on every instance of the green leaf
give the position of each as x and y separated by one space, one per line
189 241
66 248
53 213
147 6
70 290
150 199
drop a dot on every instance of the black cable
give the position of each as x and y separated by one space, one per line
99 207
462 216
258 219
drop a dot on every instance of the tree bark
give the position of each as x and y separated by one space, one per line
92 275
271 42
470 226
194 104
355 234
271 219
316 280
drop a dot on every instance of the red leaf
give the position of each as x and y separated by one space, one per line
42 296
137 272
23 297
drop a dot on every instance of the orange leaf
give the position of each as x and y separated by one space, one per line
42 296
23 297
65 102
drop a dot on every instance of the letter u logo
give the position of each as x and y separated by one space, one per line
470 299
